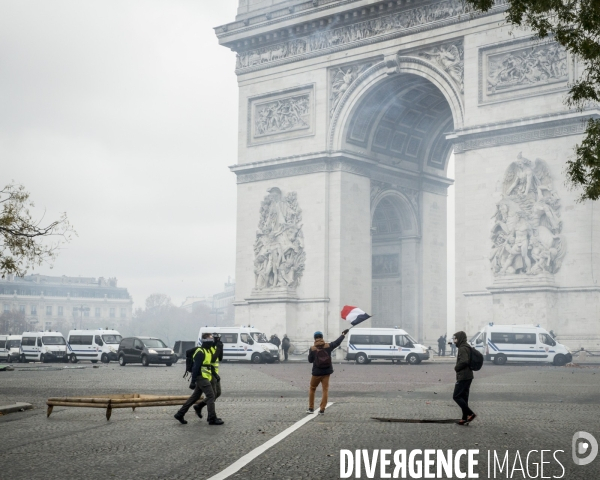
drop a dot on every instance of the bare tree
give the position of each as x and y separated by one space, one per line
13 323
24 241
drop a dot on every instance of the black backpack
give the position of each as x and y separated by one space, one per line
189 361
322 359
475 359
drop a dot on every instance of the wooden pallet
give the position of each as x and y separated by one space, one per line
129 400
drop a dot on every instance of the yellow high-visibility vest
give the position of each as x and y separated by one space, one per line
206 369
215 359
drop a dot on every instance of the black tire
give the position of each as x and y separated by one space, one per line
73 358
500 359
168 364
560 360
94 361
122 361
42 358
256 358
145 361
413 359
104 358
361 359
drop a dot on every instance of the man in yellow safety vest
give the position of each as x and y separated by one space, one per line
202 375
217 355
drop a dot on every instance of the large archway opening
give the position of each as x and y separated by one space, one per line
401 124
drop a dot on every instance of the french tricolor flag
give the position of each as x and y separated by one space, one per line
354 315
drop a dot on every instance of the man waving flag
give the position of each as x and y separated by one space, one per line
354 315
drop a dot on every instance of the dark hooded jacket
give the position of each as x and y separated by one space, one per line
463 358
328 347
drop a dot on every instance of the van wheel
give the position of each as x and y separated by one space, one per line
122 361
362 359
412 359
560 360
256 358
42 358
500 359
168 364
74 358
145 361
104 358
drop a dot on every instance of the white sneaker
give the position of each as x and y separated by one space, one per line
310 410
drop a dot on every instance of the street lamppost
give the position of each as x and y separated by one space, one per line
82 309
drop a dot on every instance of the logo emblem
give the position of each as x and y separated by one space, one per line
588 446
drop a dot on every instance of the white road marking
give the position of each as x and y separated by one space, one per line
246 459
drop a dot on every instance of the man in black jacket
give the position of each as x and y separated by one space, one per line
217 356
285 346
320 356
464 377
201 378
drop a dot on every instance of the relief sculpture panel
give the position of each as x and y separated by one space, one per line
527 231
281 116
279 245
509 72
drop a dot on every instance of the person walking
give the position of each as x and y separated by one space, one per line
201 382
464 378
275 341
285 346
320 356
216 352
441 342
444 346
452 349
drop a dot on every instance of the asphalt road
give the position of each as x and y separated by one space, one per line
520 408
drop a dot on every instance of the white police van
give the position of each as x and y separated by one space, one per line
243 343
366 344
3 349
520 343
43 347
13 347
93 345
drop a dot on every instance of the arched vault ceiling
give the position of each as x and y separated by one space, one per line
404 118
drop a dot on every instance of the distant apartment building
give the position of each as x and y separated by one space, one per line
219 304
63 303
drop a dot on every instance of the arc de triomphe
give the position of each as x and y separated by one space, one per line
349 112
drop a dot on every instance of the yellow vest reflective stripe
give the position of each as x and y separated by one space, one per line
215 362
206 368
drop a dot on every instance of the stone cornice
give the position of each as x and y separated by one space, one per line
521 130
338 161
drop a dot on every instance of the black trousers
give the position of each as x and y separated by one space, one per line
203 386
285 352
461 397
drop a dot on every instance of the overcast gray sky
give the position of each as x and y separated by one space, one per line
123 113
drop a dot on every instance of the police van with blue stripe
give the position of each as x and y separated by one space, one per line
243 343
395 344
520 343
43 347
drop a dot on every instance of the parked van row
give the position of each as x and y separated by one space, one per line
367 344
10 347
243 343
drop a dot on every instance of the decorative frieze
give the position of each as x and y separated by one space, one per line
522 68
450 57
281 115
393 25
340 80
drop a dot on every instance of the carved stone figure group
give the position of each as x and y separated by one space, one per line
526 234
355 32
528 66
451 59
282 115
279 245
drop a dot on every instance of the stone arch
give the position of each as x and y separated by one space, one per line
393 69
406 210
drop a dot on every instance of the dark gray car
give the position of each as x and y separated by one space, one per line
145 350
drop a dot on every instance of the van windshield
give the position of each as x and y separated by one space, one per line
154 343
259 337
13 344
112 338
475 337
53 341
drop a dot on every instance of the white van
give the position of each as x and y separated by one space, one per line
13 345
243 343
521 343
43 347
93 345
366 344
3 349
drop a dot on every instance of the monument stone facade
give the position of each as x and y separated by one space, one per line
349 112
